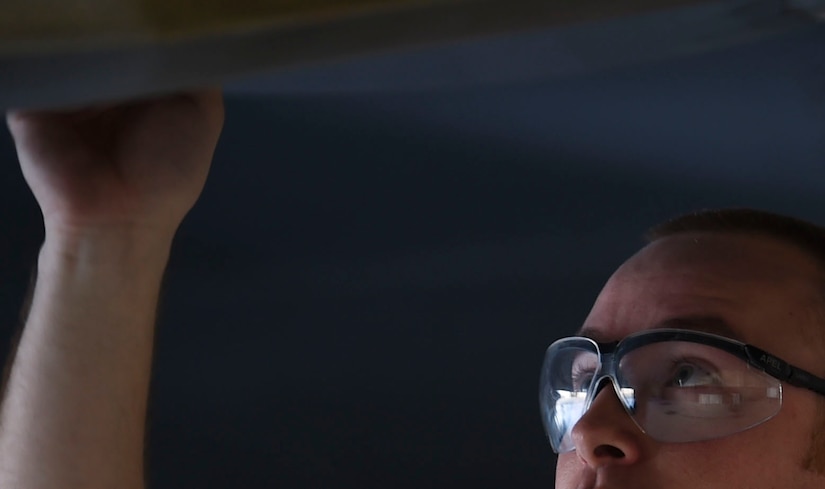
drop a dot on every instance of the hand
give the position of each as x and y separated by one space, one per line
138 165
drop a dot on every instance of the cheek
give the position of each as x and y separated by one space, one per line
815 458
759 458
709 465
568 469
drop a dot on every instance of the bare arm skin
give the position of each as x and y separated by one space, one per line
113 184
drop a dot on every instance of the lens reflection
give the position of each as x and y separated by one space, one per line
569 370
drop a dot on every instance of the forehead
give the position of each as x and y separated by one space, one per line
754 287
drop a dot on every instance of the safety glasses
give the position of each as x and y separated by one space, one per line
677 385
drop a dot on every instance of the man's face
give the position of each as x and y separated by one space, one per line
767 294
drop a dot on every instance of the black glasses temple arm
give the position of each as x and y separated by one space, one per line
784 371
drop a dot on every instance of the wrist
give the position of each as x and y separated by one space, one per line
136 248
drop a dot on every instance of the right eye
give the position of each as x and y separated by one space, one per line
689 373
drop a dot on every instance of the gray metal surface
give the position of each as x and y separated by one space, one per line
579 40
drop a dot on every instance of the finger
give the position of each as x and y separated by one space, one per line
210 102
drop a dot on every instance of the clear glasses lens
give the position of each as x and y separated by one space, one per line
675 391
569 369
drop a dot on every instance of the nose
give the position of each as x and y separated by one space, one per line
606 435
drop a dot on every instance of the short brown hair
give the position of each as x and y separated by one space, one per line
803 234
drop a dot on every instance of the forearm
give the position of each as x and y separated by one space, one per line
75 404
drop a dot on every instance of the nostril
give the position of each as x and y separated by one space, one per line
608 451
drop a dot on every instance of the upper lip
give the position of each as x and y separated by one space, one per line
599 479
588 480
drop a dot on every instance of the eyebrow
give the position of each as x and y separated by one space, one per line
706 324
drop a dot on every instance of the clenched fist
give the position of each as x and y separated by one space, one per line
139 165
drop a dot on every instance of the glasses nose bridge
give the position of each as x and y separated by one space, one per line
606 374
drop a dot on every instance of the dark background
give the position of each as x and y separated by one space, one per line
363 295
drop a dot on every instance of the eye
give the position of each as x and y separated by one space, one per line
582 379
582 369
686 374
